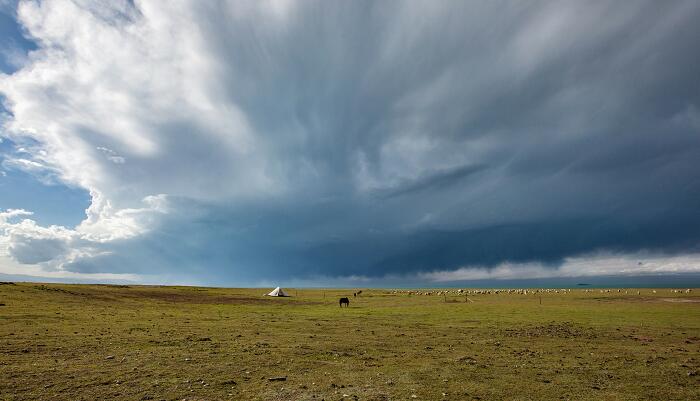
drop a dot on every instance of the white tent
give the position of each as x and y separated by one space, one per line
278 292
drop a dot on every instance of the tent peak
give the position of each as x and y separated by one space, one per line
278 292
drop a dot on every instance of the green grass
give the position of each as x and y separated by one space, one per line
176 343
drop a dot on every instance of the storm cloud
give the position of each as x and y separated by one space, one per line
238 142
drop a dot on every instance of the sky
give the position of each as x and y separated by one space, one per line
302 143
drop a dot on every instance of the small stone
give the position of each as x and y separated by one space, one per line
110 357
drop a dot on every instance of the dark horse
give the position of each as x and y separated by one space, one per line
344 301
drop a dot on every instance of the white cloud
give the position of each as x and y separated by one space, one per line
12 213
54 247
105 223
137 86
111 155
24 164
117 84
580 266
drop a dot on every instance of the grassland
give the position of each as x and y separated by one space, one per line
89 342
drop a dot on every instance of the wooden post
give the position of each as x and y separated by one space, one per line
540 299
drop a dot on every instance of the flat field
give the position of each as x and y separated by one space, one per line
90 342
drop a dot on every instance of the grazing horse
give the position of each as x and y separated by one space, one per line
344 301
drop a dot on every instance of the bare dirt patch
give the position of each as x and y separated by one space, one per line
563 330
170 295
193 297
631 298
682 300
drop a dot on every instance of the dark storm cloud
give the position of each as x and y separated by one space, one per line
421 136
216 246
436 181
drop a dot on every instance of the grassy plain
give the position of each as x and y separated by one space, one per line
89 342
